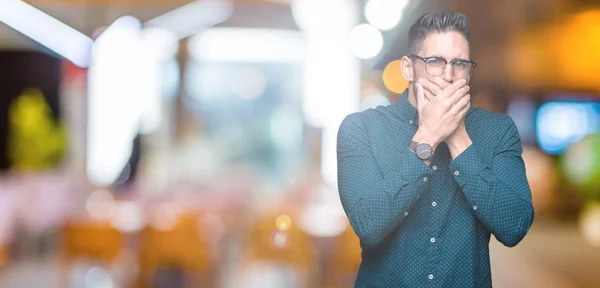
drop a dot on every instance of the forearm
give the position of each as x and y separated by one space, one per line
381 209
505 210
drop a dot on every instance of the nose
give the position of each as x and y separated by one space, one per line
448 73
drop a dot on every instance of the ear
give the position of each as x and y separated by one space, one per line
406 66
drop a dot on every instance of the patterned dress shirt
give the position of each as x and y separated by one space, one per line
430 226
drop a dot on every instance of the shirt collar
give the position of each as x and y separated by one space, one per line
405 110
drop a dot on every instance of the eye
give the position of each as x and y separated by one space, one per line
461 64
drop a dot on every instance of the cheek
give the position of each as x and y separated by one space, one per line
419 72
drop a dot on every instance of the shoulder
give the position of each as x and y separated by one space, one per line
363 119
362 125
492 131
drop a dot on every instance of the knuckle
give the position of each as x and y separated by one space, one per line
445 106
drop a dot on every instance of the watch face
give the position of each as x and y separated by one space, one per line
424 151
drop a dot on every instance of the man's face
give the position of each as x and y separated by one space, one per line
446 45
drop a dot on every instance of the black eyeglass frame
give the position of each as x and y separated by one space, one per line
425 59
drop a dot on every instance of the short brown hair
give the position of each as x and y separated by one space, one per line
436 22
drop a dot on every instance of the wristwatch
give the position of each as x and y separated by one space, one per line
422 150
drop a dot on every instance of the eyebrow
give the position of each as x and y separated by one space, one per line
451 60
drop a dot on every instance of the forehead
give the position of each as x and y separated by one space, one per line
449 45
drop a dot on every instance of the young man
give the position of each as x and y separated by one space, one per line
426 181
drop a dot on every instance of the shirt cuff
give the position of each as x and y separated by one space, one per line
467 166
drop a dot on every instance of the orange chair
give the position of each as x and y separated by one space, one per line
3 255
97 241
180 246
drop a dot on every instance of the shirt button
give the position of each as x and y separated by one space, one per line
434 167
432 240
433 204
405 213
456 173
425 179
411 122
474 207
430 276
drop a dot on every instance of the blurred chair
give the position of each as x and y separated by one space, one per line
177 248
277 258
96 241
3 255
345 260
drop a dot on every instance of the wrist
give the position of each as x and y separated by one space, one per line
423 136
456 145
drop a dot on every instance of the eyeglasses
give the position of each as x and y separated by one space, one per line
435 66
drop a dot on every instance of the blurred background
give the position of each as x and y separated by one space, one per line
155 143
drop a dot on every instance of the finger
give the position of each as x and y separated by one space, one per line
428 95
458 95
463 106
463 112
420 96
430 86
455 109
451 90
441 82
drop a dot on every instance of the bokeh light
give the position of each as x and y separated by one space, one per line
581 165
100 204
324 215
560 124
280 239
365 41
164 216
393 78
542 177
283 222
590 223
128 217
384 14
98 278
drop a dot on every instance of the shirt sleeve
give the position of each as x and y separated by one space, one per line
375 201
499 193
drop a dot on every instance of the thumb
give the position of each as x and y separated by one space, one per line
420 96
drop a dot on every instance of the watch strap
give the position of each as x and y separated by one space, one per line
413 146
